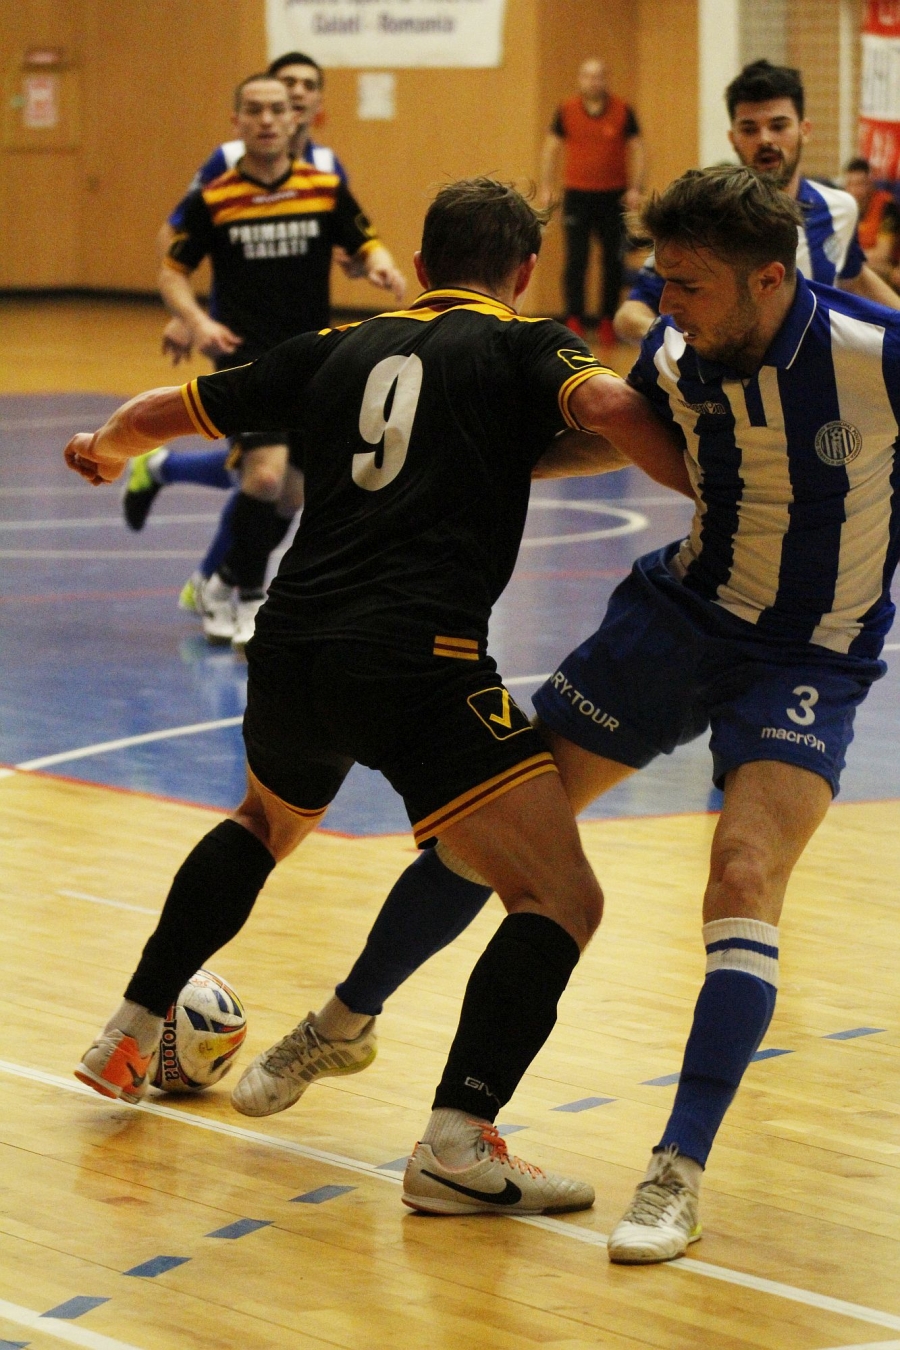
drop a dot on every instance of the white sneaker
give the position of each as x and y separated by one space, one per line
244 623
216 606
279 1076
496 1184
661 1220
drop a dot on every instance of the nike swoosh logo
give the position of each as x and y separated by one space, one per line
137 1079
510 1195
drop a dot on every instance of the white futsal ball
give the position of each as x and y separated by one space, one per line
202 1034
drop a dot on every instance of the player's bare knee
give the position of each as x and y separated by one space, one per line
743 882
576 904
263 483
276 828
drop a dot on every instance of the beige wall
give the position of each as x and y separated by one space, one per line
155 79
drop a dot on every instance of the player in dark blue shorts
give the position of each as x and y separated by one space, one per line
422 430
666 665
764 625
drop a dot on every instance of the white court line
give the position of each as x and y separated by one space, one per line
632 522
104 747
869 1345
858 1311
527 679
123 554
36 423
46 491
670 499
195 728
102 522
50 490
63 1331
113 904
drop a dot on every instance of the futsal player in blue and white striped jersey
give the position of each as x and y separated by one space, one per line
765 625
766 109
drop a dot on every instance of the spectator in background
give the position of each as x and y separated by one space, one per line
769 129
879 220
603 170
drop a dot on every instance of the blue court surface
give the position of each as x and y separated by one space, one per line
94 651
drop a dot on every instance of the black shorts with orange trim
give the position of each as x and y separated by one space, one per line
444 731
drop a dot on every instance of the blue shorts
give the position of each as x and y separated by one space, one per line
665 665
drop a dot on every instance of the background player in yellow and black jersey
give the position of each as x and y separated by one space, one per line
269 238
424 428
268 226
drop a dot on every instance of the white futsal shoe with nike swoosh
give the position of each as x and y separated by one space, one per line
497 1183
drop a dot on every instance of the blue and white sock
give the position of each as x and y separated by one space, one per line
731 1017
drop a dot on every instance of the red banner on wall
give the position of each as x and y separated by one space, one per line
879 103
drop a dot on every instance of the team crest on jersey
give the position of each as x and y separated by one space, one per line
576 360
838 443
502 717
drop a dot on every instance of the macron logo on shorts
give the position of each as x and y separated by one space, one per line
581 704
795 737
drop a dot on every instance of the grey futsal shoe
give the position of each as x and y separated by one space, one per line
279 1076
661 1220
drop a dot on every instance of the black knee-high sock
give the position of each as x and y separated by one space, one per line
210 900
428 906
256 528
508 1012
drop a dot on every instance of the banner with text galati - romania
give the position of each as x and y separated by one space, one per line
392 34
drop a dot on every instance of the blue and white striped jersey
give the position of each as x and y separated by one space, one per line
797 528
827 246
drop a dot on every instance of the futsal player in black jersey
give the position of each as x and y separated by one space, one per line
423 428
268 225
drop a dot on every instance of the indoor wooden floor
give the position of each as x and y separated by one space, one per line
182 1224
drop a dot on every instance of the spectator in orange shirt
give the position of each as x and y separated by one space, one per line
879 220
603 168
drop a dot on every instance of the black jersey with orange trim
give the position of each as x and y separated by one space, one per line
270 248
422 428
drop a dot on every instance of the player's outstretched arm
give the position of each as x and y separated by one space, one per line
378 267
177 341
211 338
138 425
547 168
575 453
612 408
871 286
633 320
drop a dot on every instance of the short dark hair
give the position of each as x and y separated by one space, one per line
760 81
296 59
479 230
857 165
739 215
262 76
